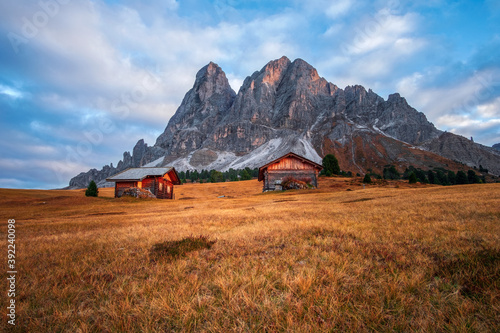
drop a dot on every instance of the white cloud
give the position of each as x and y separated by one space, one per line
333 30
331 9
381 31
466 107
490 109
11 92
457 97
235 82
338 8
467 125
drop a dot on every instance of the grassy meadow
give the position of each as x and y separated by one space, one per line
387 257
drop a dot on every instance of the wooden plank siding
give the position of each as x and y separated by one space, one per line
161 187
289 165
120 187
159 181
272 176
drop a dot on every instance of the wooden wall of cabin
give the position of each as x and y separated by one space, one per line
290 163
165 189
120 187
271 176
162 188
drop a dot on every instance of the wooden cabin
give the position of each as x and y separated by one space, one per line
159 181
291 165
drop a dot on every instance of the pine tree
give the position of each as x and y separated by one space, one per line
452 178
245 175
413 178
431 176
367 179
461 178
216 176
331 165
472 177
92 190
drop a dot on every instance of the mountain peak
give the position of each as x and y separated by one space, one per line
210 80
208 70
287 106
274 69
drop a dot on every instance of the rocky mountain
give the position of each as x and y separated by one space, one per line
287 106
496 146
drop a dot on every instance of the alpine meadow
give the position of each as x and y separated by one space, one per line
249 166
388 256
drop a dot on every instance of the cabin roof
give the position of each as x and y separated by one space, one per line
138 174
300 158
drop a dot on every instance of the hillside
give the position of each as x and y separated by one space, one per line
287 107
367 259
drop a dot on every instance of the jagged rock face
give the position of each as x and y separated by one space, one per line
287 106
201 110
83 179
458 148
141 155
282 98
496 146
403 122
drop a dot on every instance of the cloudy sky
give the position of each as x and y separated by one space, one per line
81 81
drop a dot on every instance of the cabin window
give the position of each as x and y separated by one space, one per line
161 186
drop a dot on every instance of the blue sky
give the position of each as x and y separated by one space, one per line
82 81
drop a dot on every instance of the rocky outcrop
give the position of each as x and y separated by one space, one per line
200 112
141 155
83 179
287 106
496 146
458 148
136 192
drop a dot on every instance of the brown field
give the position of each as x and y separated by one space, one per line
388 257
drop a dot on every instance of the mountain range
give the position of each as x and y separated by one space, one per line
287 107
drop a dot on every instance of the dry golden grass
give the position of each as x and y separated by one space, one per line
389 257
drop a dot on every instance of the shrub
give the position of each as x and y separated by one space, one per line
92 190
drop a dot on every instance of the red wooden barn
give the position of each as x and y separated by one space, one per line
159 181
289 165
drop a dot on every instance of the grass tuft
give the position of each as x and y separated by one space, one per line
476 274
179 248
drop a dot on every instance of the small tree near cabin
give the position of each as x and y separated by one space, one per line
92 190
331 165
